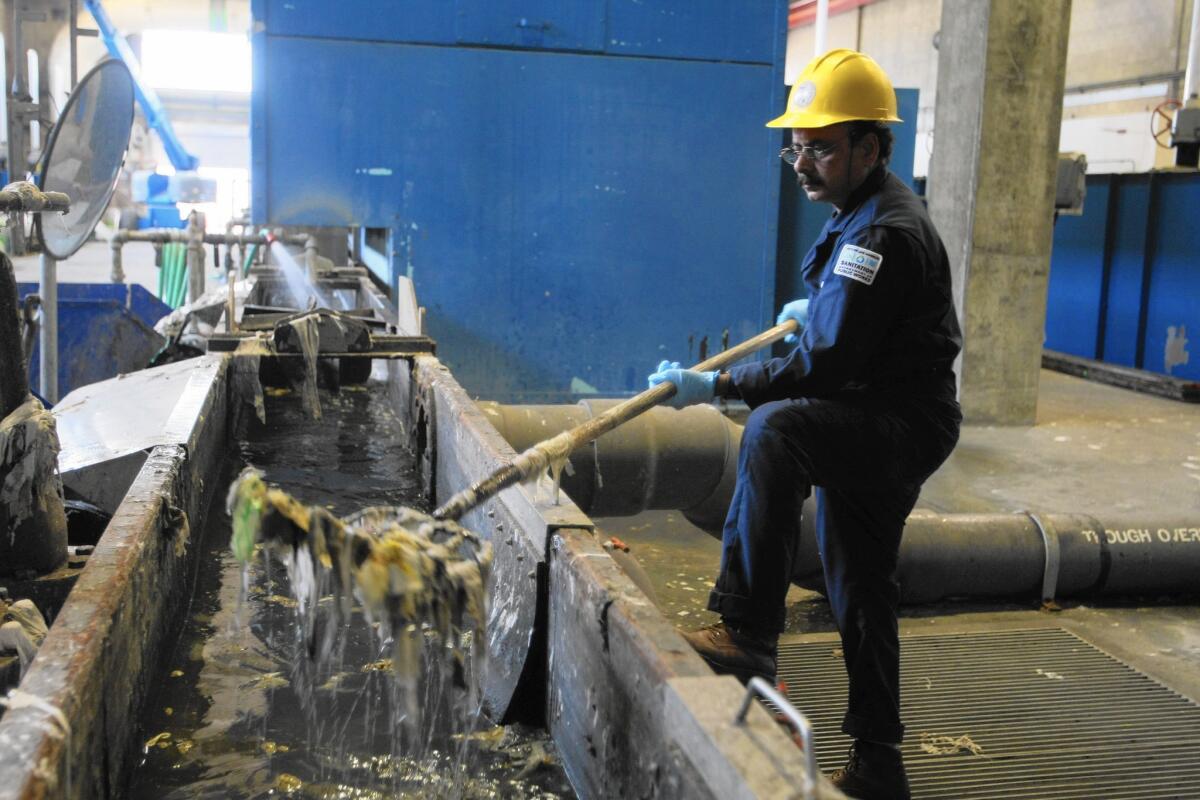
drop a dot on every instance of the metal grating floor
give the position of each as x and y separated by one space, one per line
1056 717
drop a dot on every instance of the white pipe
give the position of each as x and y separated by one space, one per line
310 259
1193 62
118 268
195 271
195 256
822 28
48 366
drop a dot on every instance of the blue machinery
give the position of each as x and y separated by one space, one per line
1125 276
152 107
159 192
104 329
577 189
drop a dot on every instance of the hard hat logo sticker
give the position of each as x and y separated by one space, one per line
803 94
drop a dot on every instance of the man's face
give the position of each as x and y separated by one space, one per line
837 168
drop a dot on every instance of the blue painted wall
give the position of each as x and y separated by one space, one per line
576 189
1126 272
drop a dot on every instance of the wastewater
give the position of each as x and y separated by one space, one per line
302 291
239 709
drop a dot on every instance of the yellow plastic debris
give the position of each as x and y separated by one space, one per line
288 783
158 740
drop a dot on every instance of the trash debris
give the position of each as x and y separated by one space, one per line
416 577
334 681
308 336
194 322
493 738
938 745
1051 675
22 629
176 525
514 741
244 371
272 680
158 740
60 727
538 757
288 783
28 460
13 638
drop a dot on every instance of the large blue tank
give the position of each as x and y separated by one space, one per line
576 189
1123 276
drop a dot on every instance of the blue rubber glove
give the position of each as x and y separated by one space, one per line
691 386
797 310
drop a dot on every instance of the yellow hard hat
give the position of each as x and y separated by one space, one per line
840 86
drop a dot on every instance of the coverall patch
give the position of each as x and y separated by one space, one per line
858 264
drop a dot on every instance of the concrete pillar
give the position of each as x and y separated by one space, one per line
1001 67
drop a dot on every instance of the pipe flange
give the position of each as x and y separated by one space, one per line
1053 557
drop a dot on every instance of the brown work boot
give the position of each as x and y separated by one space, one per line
740 652
873 772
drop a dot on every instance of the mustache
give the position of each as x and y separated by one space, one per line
807 180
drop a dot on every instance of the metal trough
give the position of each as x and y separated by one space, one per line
575 645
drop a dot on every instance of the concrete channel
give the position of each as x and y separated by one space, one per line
575 645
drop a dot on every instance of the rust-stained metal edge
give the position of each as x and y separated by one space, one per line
624 706
455 446
69 734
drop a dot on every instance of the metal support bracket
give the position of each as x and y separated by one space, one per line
799 722
1053 556
382 346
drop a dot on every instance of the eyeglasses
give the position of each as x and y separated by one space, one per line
793 154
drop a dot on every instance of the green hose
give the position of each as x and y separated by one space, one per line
181 274
251 254
173 274
168 275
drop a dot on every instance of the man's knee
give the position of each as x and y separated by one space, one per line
771 423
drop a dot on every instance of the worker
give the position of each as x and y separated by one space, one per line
863 409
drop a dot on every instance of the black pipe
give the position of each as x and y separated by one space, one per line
688 461
14 383
1033 556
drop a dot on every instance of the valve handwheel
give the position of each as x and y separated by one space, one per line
1161 120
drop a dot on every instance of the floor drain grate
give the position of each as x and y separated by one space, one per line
1053 717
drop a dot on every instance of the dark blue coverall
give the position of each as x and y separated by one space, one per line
863 409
